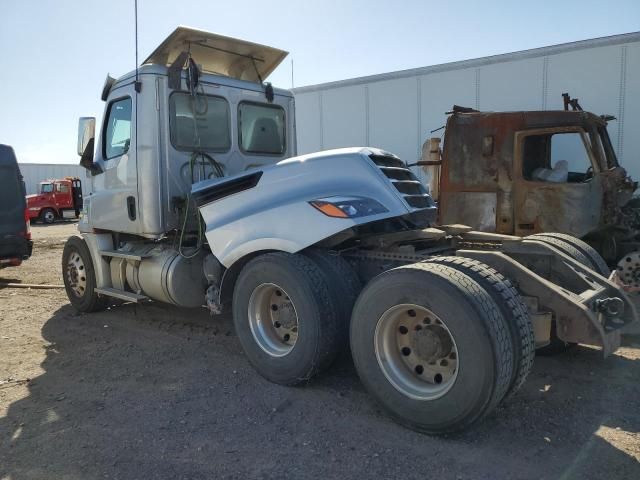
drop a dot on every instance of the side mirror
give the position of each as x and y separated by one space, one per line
86 132
86 140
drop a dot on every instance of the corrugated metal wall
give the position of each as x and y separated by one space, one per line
396 111
34 173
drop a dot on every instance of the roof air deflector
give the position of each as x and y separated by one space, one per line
219 54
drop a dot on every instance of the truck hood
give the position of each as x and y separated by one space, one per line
268 208
35 197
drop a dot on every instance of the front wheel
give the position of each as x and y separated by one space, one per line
48 216
430 344
79 277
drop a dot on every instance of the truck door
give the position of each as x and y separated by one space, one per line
114 203
76 193
557 182
62 195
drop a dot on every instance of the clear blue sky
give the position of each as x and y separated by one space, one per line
55 54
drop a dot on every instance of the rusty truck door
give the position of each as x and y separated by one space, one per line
557 181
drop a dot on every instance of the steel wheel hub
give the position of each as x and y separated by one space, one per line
76 274
273 319
629 269
416 352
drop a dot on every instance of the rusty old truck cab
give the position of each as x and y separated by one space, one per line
528 172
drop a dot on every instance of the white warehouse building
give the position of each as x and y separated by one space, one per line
396 111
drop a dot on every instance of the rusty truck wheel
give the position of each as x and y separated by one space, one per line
430 344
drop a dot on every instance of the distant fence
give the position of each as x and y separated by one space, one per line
34 173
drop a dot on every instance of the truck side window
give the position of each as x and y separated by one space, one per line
62 188
261 128
200 124
118 129
556 157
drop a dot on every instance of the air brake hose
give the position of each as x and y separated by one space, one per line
217 170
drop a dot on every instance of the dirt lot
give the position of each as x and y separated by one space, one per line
157 392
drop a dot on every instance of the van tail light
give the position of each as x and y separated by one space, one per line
27 225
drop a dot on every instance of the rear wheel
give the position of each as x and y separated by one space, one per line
512 308
576 249
48 216
431 346
343 283
285 317
79 277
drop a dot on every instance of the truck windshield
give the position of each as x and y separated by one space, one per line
46 187
261 128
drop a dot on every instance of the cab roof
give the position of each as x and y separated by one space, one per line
527 119
218 54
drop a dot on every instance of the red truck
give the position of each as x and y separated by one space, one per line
56 199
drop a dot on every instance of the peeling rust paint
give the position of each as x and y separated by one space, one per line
482 182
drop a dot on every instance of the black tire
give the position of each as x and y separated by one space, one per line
343 282
577 249
318 337
89 300
48 216
513 310
482 339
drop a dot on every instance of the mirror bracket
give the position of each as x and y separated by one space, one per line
86 160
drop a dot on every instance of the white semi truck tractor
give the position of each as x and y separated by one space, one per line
200 201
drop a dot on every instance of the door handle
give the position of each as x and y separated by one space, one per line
131 207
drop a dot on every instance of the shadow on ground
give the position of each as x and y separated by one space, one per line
157 392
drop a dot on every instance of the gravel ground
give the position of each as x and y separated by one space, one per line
157 392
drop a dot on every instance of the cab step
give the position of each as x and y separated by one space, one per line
125 255
122 295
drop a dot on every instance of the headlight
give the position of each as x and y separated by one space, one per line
348 207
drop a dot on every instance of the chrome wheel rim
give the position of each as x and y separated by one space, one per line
273 319
49 216
76 274
416 352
